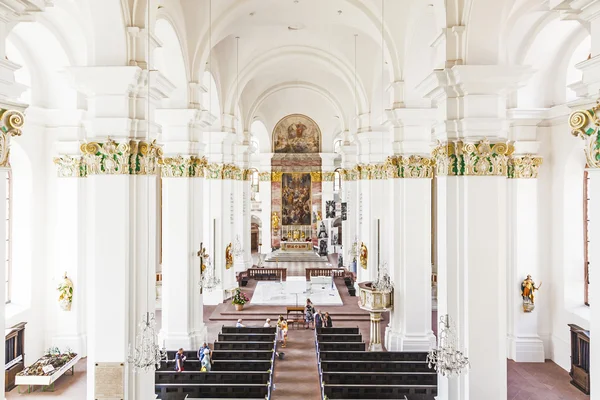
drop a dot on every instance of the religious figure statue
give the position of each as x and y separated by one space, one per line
275 221
203 256
364 255
528 289
228 257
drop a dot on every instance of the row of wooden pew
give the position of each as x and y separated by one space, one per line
347 371
243 361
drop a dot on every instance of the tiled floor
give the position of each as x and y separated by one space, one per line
537 381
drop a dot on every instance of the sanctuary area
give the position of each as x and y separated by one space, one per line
300 199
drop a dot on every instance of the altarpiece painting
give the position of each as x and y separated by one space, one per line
296 198
296 133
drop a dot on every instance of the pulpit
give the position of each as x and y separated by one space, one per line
375 302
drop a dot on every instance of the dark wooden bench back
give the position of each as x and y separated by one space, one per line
249 329
376 391
344 346
246 337
339 338
190 354
219 377
336 331
380 378
333 355
244 345
242 365
242 354
232 391
374 366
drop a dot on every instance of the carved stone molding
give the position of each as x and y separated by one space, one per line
11 121
350 174
524 167
264 176
70 166
328 176
144 157
480 158
106 158
182 167
413 166
584 124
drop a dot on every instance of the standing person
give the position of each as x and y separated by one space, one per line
280 329
179 360
267 323
284 330
201 351
309 313
206 362
318 320
327 323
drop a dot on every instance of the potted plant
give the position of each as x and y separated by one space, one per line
239 299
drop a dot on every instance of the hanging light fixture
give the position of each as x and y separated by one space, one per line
145 354
384 282
446 359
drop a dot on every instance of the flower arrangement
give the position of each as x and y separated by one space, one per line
51 362
65 290
240 297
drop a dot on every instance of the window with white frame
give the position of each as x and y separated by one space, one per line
7 249
337 180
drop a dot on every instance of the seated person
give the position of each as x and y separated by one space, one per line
206 362
201 351
239 324
267 323
179 360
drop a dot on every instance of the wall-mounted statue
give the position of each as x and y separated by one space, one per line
65 290
228 257
275 222
364 255
528 289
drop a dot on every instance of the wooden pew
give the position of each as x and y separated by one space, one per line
341 346
371 356
339 338
242 365
243 354
248 329
189 354
377 391
209 378
338 331
229 390
246 337
380 378
244 345
374 366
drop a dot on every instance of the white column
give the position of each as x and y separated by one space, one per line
594 296
472 220
265 202
242 209
410 212
350 197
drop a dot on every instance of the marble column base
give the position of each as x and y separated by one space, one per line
398 341
526 349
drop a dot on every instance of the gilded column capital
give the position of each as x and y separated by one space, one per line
214 171
412 166
584 124
316 176
524 166
12 121
276 176
106 158
144 157
71 166
182 166
480 158
328 176
264 176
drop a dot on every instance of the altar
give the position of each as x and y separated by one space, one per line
296 238
296 246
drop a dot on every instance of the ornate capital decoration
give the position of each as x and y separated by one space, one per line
11 121
328 176
71 166
480 158
231 171
247 174
372 171
144 157
584 124
350 174
527 166
264 176
106 158
182 167
316 177
214 171
410 167
276 176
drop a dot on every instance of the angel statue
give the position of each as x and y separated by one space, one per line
528 289
275 221
364 254
228 257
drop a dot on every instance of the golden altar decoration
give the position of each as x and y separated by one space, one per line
364 255
228 257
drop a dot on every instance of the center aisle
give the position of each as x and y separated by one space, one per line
297 376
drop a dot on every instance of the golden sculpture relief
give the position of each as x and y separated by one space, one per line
106 158
264 176
315 177
481 158
144 158
70 166
364 255
276 176
523 167
584 124
12 121
228 257
528 289
182 166
328 176
275 221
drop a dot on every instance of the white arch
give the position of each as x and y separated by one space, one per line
278 54
290 85
170 61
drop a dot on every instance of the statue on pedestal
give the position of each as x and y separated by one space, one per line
528 289
228 257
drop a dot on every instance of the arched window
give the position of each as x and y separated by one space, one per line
8 244
337 180
586 240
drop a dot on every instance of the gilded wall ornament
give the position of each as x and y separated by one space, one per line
276 176
70 166
106 158
364 255
524 167
228 257
247 174
412 166
264 176
214 171
144 157
351 174
480 158
584 124
315 177
275 222
182 166
328 176
12 121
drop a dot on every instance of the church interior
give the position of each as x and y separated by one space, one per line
300 199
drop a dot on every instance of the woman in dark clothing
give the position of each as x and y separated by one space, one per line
327 323
309 313
318 319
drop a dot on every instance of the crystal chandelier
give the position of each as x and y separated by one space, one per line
146 355
446 359
384 282
209 281
238 250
